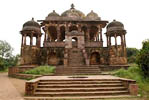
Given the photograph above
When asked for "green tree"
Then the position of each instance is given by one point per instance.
(6, 57)
(143, 58)
(131, 54)
(5, 49)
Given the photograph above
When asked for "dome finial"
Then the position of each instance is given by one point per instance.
(54, 11)
(32, 18)
(72, 6)
(114, 19)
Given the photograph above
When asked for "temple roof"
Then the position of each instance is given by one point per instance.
(73, 13)
(93, 16)
(115, 23)
(31, 25)
(115, 26)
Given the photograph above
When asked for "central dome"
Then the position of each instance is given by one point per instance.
(73, 13)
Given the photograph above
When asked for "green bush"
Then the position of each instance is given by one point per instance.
(134, 72)
(143, 58)
(131, 55)
(41, 70)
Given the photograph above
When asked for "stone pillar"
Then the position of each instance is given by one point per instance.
(31, 39)
(123, 45)
(115, 40)
(107, 40)
(79, 28)
(88, 34)
(124, 41)
(116, 44)
(38, 40)
(46, 31)
(24, 39)
(101, 34)
(66, 28)
(58, 33)
(97, 36)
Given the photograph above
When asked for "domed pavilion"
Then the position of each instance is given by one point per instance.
(73, 40)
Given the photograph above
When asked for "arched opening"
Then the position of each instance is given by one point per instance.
(73, 28)
(62, 30)
(74, 42)
(112, 41)
(52, 33)
(118, 40)
(28, 40)
(95, 58)
(93, 32)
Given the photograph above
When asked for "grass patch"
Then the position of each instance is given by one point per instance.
(134, 72)
(5, 70)
(41, 70)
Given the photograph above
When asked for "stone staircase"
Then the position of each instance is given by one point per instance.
(76, 65)
(77, 70)
(79, 88)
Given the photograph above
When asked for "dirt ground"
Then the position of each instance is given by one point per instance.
(11, 88)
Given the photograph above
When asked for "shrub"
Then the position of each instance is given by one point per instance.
(134, 72)
(41, 70)
(131, 54)
(143, 58)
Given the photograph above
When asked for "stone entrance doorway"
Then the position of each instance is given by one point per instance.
(95, 58)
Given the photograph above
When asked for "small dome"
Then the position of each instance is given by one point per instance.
(93, 16)
(52, 15)
(31, 25)
(73, 13)
(115, 25)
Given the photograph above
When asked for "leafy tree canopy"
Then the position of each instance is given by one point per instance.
(5, 49)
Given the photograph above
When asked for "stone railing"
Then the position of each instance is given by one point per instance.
(15, 71)
(94, 44)
(54, 44)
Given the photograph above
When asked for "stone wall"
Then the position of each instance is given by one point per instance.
(54, 44)
(29, 55)
(51, 56)
(93, 44)
(117, 55)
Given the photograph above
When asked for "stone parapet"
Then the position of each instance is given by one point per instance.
(94, 44)
(54, 44)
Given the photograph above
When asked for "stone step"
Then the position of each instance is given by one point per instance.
(64, 74)
(77, 78)
(128, 97)
(79, 85)
(77, 82)
(99, 93)
(82, 68)
(80, 89)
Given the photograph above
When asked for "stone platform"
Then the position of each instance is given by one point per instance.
(79, 87)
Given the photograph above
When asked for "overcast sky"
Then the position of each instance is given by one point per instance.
(134, 14)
